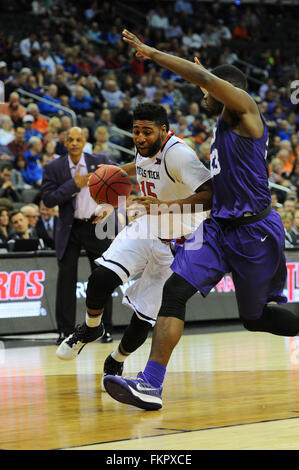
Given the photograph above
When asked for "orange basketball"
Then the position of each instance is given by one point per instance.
(108, 183)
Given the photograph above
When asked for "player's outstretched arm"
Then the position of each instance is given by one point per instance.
(232, 97)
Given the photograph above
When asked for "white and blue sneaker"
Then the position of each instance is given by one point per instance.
(136, 392)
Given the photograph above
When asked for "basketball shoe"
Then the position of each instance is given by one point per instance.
(111, 367)
(75, 342)
(136, 392)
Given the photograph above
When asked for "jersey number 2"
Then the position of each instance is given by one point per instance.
(146, 188)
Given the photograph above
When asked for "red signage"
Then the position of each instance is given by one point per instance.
(19, 285)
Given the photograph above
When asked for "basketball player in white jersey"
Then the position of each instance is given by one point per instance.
(168, 172)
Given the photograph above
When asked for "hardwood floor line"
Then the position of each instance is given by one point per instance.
(180, 431)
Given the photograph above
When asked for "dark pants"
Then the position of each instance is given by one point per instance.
(82, 237)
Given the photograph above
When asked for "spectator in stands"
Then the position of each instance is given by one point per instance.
(28, 121)
(275, 171)
(19, 223)
(62, 87)
(39, 8)
(274, 147)
(5, 229)
(193, 112)
(102, 144)
(33, 87)
(81, 103)
(17, 178)
(204, 153)
(111, 60)
(70, 66)
(240, 32)
(105, 120)
(287, 219)
(13, 108)
(94, 58)
(53, 127)
(181, 129)
(294, 176)
(40, 123)
(285, 156)
(95, 35)
(210, 37)
(113, 36)
(284, 132)
(48, 152)
(60, 148)
(158, 19)
(289, 205)
(16, 81)
(183, 6)
(65, 123)
(46, 225)
(83, 66)
(88, 145)
(28, 44)
(46, 61)
(124, 117)
(274, 201)
(174, 30)
(112, 95)
(33, 173)
(7, 134)
(294, 232)
(7, 189)
(48, 108)
(31, 211)
(18, 146)
(223, 32)
(192, 40)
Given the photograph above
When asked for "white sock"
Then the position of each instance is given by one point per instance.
(118, 356)
(93, 321)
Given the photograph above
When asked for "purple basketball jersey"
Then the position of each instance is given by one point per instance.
(240, 172)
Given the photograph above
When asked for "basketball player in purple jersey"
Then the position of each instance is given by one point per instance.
(243, 236)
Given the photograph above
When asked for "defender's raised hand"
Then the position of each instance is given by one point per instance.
(142, 49)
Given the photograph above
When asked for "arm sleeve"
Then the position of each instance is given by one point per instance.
(184, 166)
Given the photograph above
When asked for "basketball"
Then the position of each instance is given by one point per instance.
(108, 183)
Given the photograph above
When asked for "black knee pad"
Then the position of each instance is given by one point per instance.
(176, 292)
(101, 283)
(275, 320)
(135, 334)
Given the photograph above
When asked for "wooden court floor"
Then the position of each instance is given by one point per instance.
(228, 390)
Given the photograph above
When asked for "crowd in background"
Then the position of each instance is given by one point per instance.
(72, 55)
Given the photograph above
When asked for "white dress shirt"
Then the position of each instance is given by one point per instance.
(85, 205)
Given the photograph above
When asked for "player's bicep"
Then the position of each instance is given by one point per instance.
(232, 97)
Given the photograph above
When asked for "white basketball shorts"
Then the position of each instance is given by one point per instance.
(128, 256)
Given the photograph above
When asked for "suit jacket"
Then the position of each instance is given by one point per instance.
(43, 234)
(59, 188)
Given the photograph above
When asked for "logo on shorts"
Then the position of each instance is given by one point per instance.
(263, 239)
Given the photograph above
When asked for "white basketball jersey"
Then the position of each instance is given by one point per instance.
(174, 173)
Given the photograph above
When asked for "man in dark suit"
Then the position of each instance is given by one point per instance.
(46, 225)
(65, 183)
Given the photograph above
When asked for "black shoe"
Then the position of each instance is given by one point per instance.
(112, 367)
(106, 338)
(61, 337)
(75, 342)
